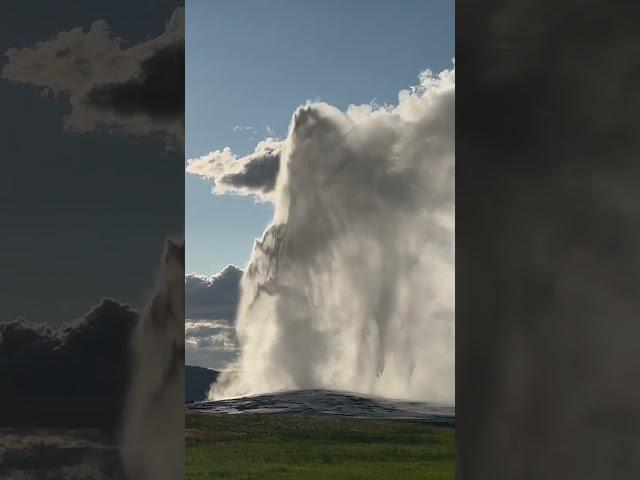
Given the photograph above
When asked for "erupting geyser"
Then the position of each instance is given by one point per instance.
(352, 286)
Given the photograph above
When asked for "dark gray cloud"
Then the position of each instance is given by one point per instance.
(137, 89)
(547, 212)
(213, 297)
(211, 304)
(72, 376)
(59, 454)
(259, 174)
(158, 90)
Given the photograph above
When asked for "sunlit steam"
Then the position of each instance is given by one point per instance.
(352, 286)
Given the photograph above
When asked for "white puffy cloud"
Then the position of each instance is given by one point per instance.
(254, 175)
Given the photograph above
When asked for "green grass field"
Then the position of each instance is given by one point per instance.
(264, 447)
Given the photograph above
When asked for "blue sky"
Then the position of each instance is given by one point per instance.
(250, 63)
(68, 228)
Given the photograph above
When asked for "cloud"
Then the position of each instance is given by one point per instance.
(46, 455)
(158, 90)
(254, 175)
(213, 297)
(240, 128)
(210, 344)
(73, 376)
(111, 87)
(211, 304)
(352, 286)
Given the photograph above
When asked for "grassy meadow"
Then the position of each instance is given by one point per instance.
(271, 446)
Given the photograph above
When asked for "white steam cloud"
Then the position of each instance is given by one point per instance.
(352, 286)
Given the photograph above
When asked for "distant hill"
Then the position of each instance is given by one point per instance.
(197, 381)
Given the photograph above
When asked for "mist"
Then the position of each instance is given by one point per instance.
(352, 285)
(152, 436)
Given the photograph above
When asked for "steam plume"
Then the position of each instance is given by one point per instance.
(352, 286)
(152, 443)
